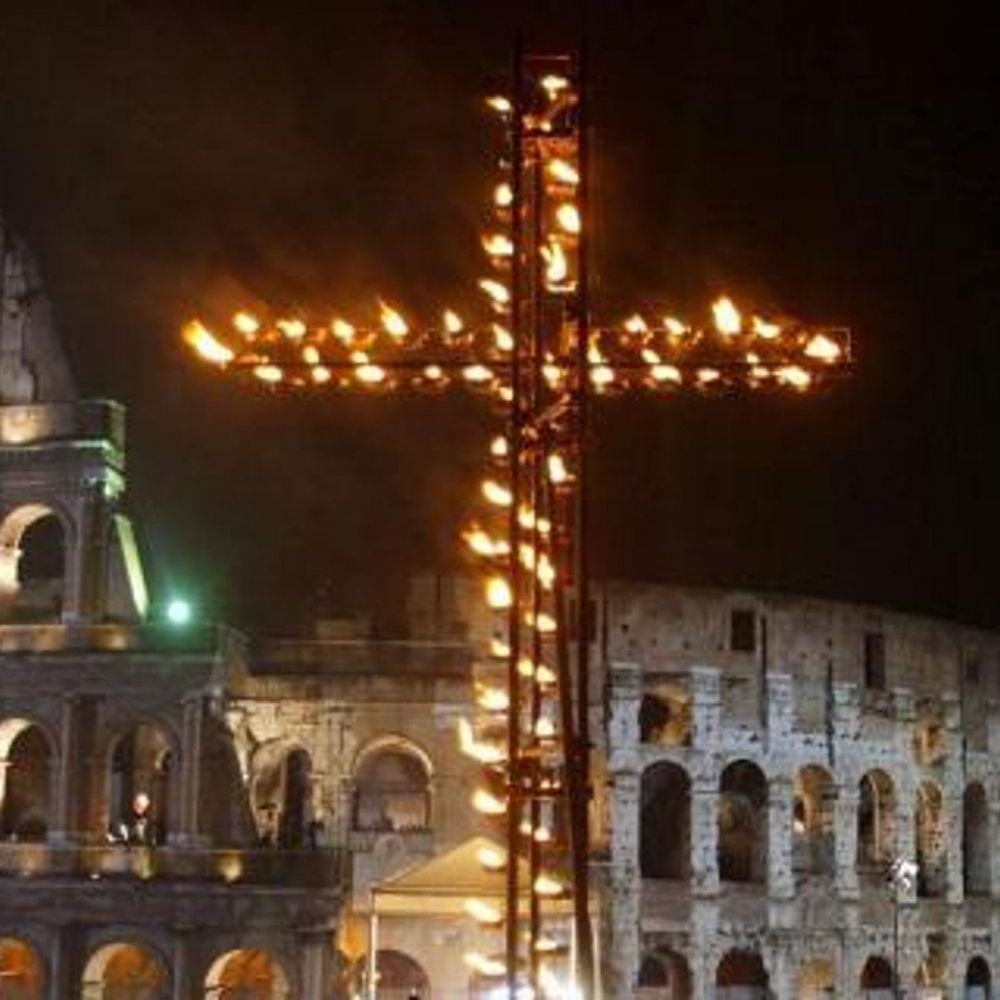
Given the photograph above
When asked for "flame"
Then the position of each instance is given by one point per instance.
(526, 667)
(493, 699)
(563, 172)
(246, 324)
(392, 322)
(320, 375)
(546, 572)
(602, 376)
(635, 324)
(487, 803)
(199, 337)
(726, 315)
(793, 375)
(293, 329)
(553, 85)
(544, 622)
(761, 327)
(500, 104)
(546, 885)
(452, 322)
(666, 373)
(491, 859)
(433, 373)
(496, 493)
(310, 355)
(823, 348)
(568, 218)
(498, 593)
(545, 728)
(675, 327)
(503, 338)
(558, 473)
(485, 753)
(268, 373)
(553, 374)
(649, 356)
(369, 374)
(344, 331)
(503, 195)
(706, 376)
(497, 291)
(499, 649)
(499, 448)
(545, 675)
(484, 965)
(498, 245)
(477, 374)
(482, 912)
(556, 264)
(481, 543)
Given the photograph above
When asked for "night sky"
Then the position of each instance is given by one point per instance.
(836, 160)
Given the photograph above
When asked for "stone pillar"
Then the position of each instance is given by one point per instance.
(622, 955)
(845, 840)
(188, 833)
(993, 840)
(181, 971)
(706, 709)
(705, 836)
(780, 882)
(702, 962)
(64, 969)
(316, 965)
(906, 836)
(953, 834)
(83, 601)
(66, 806)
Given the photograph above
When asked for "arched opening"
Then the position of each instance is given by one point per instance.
(140, 786)
(246, 974)
(812, 822)
(742, 846)
(876, 979)
(975, 841)
(282, 795)
(665, 717)
(876, 821)
(21, 975)
(816, 980)
(741, 976)
(32, 565)
(932, 973)
(666, 975)
(665, 826)
(978, 981)
(399, 977)
(932, 849)
(392, 791)
(25, 781)
(123, 971)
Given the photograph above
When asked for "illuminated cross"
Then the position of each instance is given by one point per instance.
(538, 356)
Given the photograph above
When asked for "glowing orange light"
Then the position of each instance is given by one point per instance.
(392, 321)
(199, 337)
(293, 329)
(343, 331)
(498, 245)
(563, 172)
(568, 218)
(310, 355)
(726, 316)
(487, 803)
(500, 104)
(822, 348)
(496, 493)
(268, 373)
(675, 327)
(635, 324)
(764, 329)
(497, 292)
(498, 593)
(477, 374)
(452, 322)
(503, 195)
(792, 375)
(247, 324)
(369, 374)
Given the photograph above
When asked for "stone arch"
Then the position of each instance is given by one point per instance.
(975, 841)
(246, 974)
(392, 787)
(812, 821)
(35, 546)
(877, 980)
(741, 975)
(817, 980)
(742, 820)
(22, 975)
(931, 842)
(281, 793)
(26, 776)
(978, 979)
(667, 974)
(665, 822)
(123, 970)
(143, 780)
(876, 820)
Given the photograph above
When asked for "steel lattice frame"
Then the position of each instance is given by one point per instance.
(540, 359)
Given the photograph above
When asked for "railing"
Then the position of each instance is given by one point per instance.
(316, 869)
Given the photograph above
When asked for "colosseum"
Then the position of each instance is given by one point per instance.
(194, 813)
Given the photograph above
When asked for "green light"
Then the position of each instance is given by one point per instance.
(179, 612)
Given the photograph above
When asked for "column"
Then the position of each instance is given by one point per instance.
(906, 846)
(188, 829)
(780, 883)
(316, 965)
(181, 970)
(953, 834)
(845, 840)
(993, 841)
(624, 887)
(63, 971)
(66, 812)
(704, 836)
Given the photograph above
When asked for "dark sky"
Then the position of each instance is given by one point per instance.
(835, 159)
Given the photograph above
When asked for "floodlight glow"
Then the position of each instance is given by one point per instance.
(179, 612)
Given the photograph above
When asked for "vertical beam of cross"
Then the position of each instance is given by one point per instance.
(538, 357)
